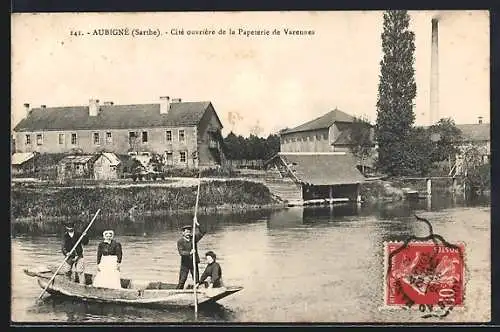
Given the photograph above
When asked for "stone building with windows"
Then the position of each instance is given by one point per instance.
(186, 134)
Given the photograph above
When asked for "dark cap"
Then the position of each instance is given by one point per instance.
(211, 254)
(69, 224)
(187, 227)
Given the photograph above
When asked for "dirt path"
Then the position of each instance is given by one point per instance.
(173, 182)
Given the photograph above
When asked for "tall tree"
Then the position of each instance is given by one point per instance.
(396, 91)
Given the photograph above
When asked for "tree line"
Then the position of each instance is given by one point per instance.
(237, 147)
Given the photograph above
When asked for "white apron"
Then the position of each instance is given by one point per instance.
(108, 276)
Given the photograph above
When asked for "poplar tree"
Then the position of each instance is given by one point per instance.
(396, 91)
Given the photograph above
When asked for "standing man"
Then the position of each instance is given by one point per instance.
(74, 262)
(186, 251)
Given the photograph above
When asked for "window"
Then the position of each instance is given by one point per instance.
(61, 138)
(28, 139)
(39, 139)
(181, 135)
(131, 137)
(109, 138)
(183, 157)
(74, 140)
(169, 135)
(96, 139)
(144, 137)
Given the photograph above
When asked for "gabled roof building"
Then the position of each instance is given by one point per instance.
(187, 134)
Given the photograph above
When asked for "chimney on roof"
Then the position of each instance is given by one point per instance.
(164, 104)
(93, 107)
(480, 119)
(176, 100)
(108, 103)
(26, 109)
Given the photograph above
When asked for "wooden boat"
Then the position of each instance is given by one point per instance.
(133, 292)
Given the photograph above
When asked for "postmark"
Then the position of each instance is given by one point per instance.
(425, 273)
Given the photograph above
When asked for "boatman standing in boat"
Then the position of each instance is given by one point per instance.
(185, 247)
(74, 262)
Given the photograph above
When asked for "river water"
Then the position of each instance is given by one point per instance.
(296, 265)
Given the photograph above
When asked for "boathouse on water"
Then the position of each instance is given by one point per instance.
(317, 177)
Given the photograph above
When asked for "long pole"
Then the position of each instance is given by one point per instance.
(73, 249)
(194, 245)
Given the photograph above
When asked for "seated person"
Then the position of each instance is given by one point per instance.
(212, 271)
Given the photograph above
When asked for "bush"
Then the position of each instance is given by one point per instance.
(480, 177)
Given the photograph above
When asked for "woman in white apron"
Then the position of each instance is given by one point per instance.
(109, 258)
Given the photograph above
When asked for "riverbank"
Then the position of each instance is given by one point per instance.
(33, 203)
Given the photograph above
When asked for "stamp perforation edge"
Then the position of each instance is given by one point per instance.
(465, 278)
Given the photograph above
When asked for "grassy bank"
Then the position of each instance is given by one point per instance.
(38, 203)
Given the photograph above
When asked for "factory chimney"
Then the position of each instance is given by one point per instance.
(434, 93)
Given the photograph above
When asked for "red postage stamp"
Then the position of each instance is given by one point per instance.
(424, 274)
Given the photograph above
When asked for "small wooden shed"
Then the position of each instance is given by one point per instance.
(75, 166)
(107, 167)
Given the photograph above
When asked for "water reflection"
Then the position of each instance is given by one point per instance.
(78, 311)
(291, 262)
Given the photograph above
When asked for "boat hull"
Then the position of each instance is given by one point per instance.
(143, 293)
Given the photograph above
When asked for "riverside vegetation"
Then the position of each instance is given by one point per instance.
(50, 202)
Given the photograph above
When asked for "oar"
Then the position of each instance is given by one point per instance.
(73, 249)
(194, 246)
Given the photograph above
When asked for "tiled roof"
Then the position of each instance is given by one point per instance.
(323, 122)
(20, 158)
(80, 159)
(324, 168)
(476, 132)
(114, 160)
(113, 117)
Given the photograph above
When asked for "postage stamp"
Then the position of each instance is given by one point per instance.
(424, 275)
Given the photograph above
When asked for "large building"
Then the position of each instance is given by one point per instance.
(187, 134)
(478, 135)
(315, 163)
(328, 133)
(474, 137)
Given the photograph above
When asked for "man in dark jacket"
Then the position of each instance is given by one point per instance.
(186, 251)
(74, 261)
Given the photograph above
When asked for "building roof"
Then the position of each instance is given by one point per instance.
(80, 159)
(113, 117)
(113, 158)
(20, 158)
(476, 132)
(323, 122)
(324, 168)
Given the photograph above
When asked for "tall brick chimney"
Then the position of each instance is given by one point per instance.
(164, 104)
(434, 92)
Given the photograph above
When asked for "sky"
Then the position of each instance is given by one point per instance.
(257, 84)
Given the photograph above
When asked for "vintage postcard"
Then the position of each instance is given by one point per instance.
(228, 167)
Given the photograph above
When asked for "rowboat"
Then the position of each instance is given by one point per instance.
(133, 292)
